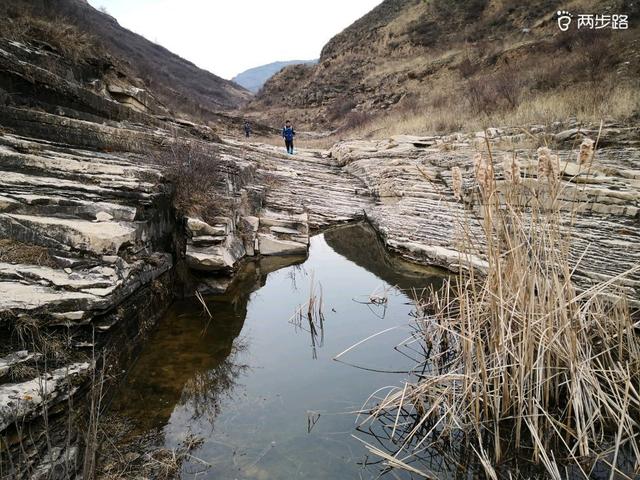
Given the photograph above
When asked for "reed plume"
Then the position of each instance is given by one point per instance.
(587, 149)
(456, 182)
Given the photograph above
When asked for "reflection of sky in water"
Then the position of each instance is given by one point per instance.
(260, 425)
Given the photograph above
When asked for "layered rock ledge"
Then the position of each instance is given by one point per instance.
(403, 187)
(85, 262)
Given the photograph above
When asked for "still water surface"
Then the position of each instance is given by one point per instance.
(249, 380)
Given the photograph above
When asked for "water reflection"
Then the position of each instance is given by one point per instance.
(269, 401)
(360, 244)
(191, 359)
(309, 317)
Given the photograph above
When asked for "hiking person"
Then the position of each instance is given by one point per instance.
(288, 133)
(247, 129)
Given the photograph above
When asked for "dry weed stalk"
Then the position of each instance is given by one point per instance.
(521, 356)
(511, 169)
(548, 165)
(313, 317)
(587, 149)
(456, 176)
(484, 172)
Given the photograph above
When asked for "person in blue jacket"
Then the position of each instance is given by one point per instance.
(288, 133)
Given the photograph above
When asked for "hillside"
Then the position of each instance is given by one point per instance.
(107, 48)
(415, 66)
(254, 78)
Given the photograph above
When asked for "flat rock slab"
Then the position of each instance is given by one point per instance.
(19, 296)
(269, 245)
(23, 401)
(98, 238)
(99, 277)
(215, 258)
(284, 231)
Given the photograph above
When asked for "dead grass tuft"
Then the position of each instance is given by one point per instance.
(515, 354)
(12, 251)
(56, 35)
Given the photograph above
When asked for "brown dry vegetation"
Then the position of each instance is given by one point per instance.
(516, 356)
(56, 35)
(198, 174)
(16, 252)
(420, 67)
(129, 455)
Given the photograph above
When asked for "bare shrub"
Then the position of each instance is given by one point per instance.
(507, 86)
(425, 32)
(587, 54)
(341, 107)
(410, 104)
(480, 96)
(354, 120)
(594, 54)
(490, 93)
(198, 174)
(550, 74)
(468, 67)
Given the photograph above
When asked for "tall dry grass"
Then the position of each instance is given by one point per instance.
(19, 23)
(517, 357)
(450, 113)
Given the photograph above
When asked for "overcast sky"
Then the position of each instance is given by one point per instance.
(227, 37)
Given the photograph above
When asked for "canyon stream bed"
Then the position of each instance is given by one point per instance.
(260, 389)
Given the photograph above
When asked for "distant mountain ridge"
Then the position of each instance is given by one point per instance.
(254, 78)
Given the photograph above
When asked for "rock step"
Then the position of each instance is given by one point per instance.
(95, 237)
(64, 206)
(24, 401)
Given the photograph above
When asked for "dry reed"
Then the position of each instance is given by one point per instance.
(585, 155)
(519, 357)
(456, 183)
(312, 315)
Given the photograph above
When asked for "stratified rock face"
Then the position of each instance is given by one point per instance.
(217, 248)
(418, 216)
(280, 233)
(122, 65)
(24, 400)
(292, 195)
(403, 186)
(85, 241)
(297, 187)
(213, 248)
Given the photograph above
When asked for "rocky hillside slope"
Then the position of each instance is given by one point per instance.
(89, 233)
(106, 51)
(438, 65)
(254, 78)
